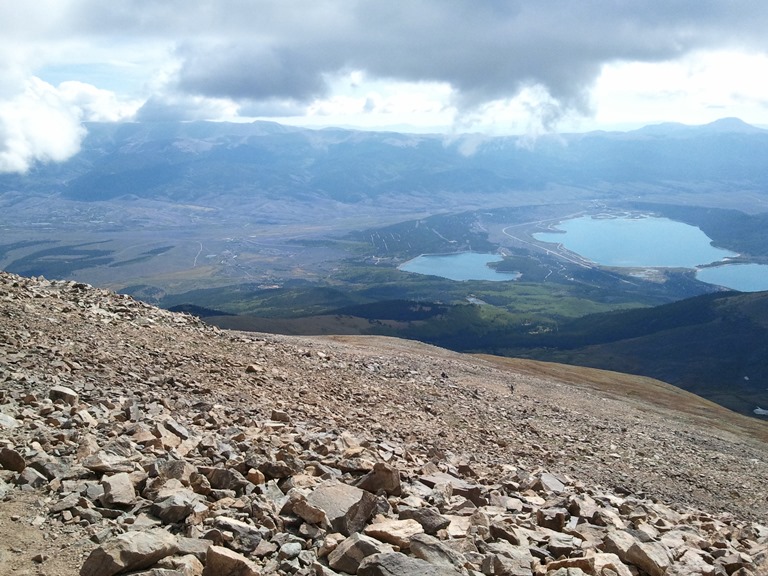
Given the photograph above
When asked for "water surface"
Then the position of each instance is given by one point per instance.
(636, 242)
(742, 277)
(461, 266)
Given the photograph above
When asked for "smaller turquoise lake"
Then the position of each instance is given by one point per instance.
(461, 266)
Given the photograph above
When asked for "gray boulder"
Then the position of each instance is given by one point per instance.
(347, 508)
(129, 551)
(396, 564)
(349, 553)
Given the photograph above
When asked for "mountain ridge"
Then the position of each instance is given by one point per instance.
(200, 160)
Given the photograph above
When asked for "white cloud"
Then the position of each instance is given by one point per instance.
(95, 104)
(38, 125)
(43, 123)
(368, 102)
(696, 89)
(183, 107)
(496, 67)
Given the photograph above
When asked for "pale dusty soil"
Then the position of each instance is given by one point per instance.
(24, 545)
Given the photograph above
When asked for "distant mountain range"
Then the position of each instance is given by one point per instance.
(203, 161)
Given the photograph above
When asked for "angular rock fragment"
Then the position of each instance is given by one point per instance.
(395, 532)
(118, 490)
(349, 553)
(347, 508)
(504, 558)
(549, 483)
(691, 563)
(429, 518)
(7, 421)
(307, 512)
(245, 537)
(226, 479)
(117, 456)
(221, 561)
(552, 518)
(66, 395)
(176, 506)
(506, 532)
(568, 572)
(11, 460)
(175, 469)
(596, 564)
(193, 547)
(69, 501)
(280, 416)
(84, 418)
(459, 526)
(733, 562)
(563, 544)
(289, 551)
(264, 548)
(176, 428)
(32, 478)
(471, 492)
(129, 551)
(329, 544)
(435, 552)
(51, 467)
(651, 557)
(383, 477)
(185, 564)
(396, 564)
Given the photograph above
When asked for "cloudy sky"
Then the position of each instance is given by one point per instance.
(494, 66)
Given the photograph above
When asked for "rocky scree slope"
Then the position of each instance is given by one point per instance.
(138, 441)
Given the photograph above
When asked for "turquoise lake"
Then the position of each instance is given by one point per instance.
(742, 277)
(642, 242)
(647, 242)
(636, 242)
(462, 266)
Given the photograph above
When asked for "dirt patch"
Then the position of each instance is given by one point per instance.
(31, 545)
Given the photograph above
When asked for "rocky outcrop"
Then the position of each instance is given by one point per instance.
(239, 468)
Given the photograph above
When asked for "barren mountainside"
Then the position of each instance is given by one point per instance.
(138, 441)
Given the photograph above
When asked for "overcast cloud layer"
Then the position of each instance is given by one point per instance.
(73, 60)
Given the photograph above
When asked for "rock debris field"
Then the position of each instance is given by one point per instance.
(138, 441)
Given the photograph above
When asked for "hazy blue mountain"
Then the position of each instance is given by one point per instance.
(196, 160)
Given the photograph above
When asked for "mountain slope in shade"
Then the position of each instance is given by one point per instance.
(714, 345)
